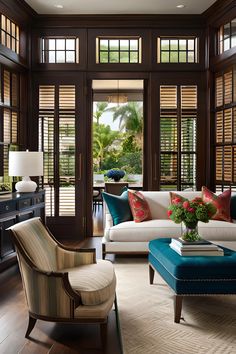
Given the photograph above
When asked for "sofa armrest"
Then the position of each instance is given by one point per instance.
(108, 223)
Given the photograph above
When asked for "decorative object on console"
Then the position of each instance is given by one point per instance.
(115, 174)
(189, 213)
(118, 206)
(233, 207)
(139, 206)
(221, 203)
(25, 164)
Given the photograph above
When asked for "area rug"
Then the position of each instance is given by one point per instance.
(147, 316)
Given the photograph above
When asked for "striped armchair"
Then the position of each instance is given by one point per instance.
(62, 284)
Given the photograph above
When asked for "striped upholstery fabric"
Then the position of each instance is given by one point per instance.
(95, 283)
(69, 259)
(45, 295)
(97, 311)
(37, 243)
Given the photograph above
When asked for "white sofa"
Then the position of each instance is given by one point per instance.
(130, 237)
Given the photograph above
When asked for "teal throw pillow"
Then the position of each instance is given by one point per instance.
(118, 206)
(233, 207)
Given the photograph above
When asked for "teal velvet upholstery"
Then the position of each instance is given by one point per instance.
(233, 207)
(194, 275)
(118, 207)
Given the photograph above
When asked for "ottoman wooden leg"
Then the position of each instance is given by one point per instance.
(178, 307)
(151, 274)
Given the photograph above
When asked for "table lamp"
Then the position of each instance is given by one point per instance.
(25, 164)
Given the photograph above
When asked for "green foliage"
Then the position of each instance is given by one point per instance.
(190, 212)
(122, 149)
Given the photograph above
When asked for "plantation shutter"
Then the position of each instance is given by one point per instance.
(46, 142)
(169, 137)
(178, 108)
(10, 113)
(219, 91)
(67, 150)
(59, 118)
(225, 132)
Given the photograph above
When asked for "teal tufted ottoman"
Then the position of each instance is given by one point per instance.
(198, 275)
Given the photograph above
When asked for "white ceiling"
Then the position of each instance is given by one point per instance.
(119, 6)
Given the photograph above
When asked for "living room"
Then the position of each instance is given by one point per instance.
(72, 72)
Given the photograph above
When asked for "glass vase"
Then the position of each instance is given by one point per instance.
(189, 232)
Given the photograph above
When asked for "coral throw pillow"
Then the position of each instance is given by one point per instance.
(139, 206)
(221, 202)
(176, 198)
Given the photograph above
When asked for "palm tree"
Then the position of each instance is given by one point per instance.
(130, 116)
(100, 109)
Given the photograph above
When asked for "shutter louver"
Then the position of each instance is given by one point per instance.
(219, 127)
(188, 97)
(14, 127)
(219, 169)
(228, 87)
(228, 163)
(7, 126)
(228, 126)
(168, 97)
(6, 83)
(219, 91)
(14, 90)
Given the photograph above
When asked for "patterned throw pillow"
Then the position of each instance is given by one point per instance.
(139, 206)
(176, 198)
(221, 202)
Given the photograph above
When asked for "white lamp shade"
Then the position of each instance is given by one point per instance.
(25, 163)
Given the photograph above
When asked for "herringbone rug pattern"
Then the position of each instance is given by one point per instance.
(146, 316)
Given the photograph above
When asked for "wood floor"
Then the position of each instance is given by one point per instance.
(47, 337)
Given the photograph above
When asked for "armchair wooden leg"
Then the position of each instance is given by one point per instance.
(31, 325)
(178, 299)
(151, 274)
(103, 335)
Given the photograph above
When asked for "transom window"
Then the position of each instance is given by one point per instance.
(177, 50)
(10, 36)
(227, 36)
(118, 50)
(60, 50)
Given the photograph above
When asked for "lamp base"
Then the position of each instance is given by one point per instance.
(26, 185)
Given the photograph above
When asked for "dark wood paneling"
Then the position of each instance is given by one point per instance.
(120, 21)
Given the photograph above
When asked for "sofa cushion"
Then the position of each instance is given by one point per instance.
(95, 283)
(151, 229)
(118, 206)
(221, 203)
(144, 231)
(139, 206)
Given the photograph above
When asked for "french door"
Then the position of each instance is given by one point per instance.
(62, 138)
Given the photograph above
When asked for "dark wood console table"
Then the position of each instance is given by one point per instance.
(16, 207)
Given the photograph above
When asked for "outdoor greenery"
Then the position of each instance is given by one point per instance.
(121, 148)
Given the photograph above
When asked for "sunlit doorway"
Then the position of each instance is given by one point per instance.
(117, 138)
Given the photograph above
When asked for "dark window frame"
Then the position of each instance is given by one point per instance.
(13, 38)
(45, 51)
(195, 49)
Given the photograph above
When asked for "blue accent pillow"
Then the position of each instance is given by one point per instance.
(233, 207)
(118, 206)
